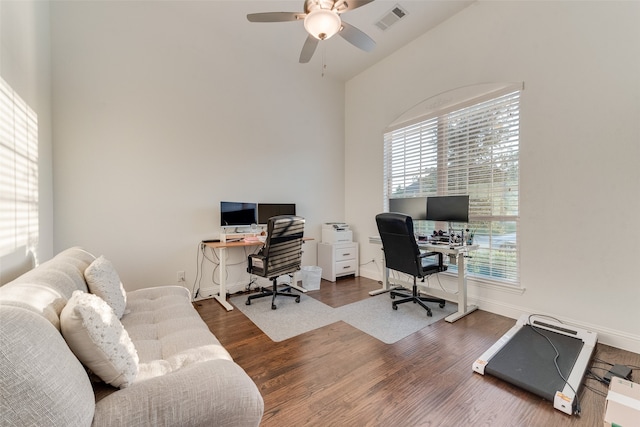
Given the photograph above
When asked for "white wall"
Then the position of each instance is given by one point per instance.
(580, 133)
(157, 121)
(25, 65)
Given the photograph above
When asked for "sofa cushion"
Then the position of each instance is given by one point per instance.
(168, 332)
(98, 339)
(181, 365)
(103, 280)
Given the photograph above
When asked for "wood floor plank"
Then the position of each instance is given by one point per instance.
(338, 375)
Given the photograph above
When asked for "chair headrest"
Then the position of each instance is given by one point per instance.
(394, 223)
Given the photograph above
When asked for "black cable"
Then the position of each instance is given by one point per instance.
(595, 359)
(598, 392)
(594, 376)
(610, 365)
(194, 291)
(555, 359)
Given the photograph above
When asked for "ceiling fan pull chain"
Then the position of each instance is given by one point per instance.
(324, 62)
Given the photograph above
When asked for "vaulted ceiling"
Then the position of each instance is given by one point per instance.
(335, 56)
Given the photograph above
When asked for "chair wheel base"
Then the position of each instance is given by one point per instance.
(273, 293)
(441, 305)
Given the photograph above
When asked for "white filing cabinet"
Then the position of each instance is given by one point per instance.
(338, 259)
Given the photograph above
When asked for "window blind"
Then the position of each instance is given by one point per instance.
(18, 172)
(471, 150)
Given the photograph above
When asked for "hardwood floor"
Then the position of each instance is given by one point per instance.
(340, 376)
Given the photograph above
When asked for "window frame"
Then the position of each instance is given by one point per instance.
(497, 261)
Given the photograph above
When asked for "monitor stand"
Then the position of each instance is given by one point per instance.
(526, 357)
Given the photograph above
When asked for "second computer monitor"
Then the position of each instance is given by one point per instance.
(267, 210)
(448, 208)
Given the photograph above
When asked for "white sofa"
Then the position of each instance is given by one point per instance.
(185, 376)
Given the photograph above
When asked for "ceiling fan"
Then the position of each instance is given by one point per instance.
(322, 20)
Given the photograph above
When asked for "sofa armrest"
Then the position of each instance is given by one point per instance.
(216, 392)
(42, 383)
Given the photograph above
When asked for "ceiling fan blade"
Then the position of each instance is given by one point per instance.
(357, 37)
(308, 49)
(275, 16)
(347, 5)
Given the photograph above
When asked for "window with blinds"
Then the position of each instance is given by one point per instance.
(472, 149)
(18, 173)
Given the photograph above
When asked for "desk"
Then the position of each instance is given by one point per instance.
(459, 252)
(222, 247)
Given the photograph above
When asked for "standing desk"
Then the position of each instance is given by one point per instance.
(222, 247)
(459, 252)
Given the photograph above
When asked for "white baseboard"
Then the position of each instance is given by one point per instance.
(606, 336)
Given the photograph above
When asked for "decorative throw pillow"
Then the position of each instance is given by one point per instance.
(98, 339)
(103, 281)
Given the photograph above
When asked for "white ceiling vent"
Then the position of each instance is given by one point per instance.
(391, 17)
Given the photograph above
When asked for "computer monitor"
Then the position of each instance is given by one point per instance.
(237, 214)
(448, 208)
(267, 210)
(415, 207)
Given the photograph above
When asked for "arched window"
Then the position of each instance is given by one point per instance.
(457, 144)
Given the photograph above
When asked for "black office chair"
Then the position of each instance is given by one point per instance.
(401, 253)
(281, 254)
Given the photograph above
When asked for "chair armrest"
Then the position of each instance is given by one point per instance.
(428, 254)
(435, 267)
(256, 264)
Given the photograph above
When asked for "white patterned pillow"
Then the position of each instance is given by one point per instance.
(103, 280)
(98, 339)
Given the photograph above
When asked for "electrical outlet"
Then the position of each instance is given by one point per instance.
(180, 276)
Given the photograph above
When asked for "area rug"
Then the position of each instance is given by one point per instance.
(289, 319)
(373, 315)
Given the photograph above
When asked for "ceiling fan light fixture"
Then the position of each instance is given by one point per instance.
(322, 23)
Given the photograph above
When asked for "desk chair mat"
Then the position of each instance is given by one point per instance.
(527, 361)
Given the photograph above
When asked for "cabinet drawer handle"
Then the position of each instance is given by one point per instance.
(346, 267)
(346, 254)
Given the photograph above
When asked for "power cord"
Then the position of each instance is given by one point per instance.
(612, 370)
(609, 370)
(578, 409)
(195, 291)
